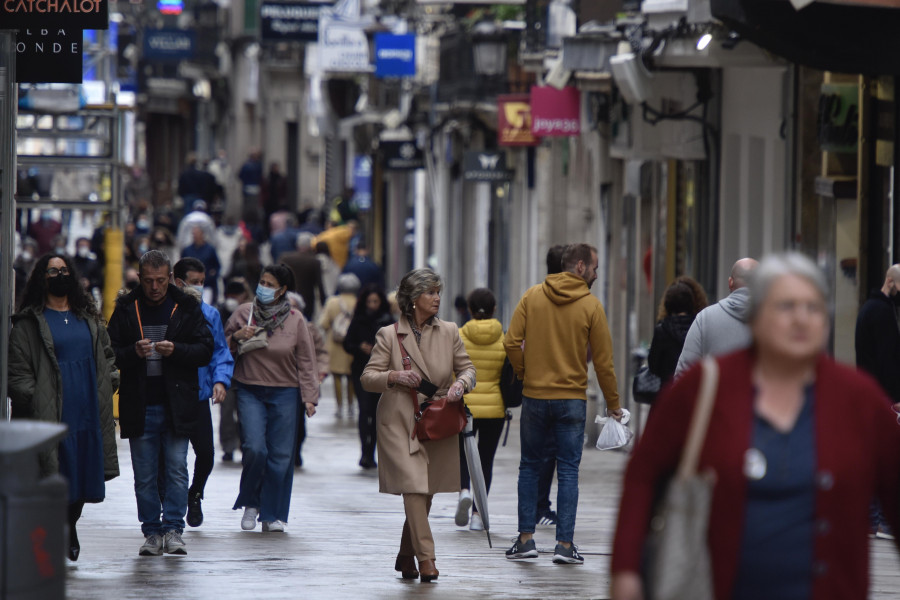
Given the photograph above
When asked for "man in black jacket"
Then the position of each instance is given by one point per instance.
(160, 339)
(878, 354)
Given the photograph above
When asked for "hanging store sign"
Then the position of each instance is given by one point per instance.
(362, 183)
(71, 14)
(290, 21)
(343, 46)
(514, 121)
(169, 45)
(395, 55)
(485, 166)
(555, 112)
(402, 155)
(49, 55)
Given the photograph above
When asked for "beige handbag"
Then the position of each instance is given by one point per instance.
(679, 565)
(258, 340)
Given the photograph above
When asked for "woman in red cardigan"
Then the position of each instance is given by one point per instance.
(799, 445)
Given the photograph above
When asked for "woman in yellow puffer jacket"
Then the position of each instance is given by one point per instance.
(483, 338)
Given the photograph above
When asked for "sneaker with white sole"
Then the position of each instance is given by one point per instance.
(173, 544)
(462, 508)
(248, 521)
(548, 518)
(522, 549)
(273, 526)
(476, 524)
(567, 556)
(153, 546)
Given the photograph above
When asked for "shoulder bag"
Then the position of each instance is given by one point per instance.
(435, 419)
(258, 340)
(679, 566)
(645, 386)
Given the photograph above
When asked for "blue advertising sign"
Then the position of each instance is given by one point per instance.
(362, 182)
(395, 55)
(162, 45)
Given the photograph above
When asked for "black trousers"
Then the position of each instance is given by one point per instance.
(204, 449)
(368, 406)
(488, 432)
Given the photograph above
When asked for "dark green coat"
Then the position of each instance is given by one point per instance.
(35, 382)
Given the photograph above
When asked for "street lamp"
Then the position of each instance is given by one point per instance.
(489, 46)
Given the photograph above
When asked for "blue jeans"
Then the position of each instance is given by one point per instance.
(160, 442)
(268, 438)
(563, 421)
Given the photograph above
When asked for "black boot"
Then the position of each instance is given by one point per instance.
(74, 514)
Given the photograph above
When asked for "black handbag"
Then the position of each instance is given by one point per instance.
(645, 386)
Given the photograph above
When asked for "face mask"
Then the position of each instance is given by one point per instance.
(59, 250)
(143, 224)
(61, 285)
(265, 295)
(198, 289)
(228, 229)
(231, 304)
(27, 256)
(84, 252)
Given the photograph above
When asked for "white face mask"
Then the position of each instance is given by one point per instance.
(231, 304)
(84, 252)
(27, 255)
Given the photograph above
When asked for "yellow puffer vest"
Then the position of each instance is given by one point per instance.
(484, 343)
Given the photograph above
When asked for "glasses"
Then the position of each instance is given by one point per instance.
(53, 271)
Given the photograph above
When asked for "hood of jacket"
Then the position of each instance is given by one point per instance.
(565, 288)
(483, 332)
(737, 304)
(677, 326)
(180, 297)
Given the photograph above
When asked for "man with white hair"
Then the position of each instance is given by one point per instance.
(722, 327)
(307, 272)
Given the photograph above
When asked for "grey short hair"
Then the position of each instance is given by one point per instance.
(414, 284)
(775, 266)
(154, 259)
(304, 240)
(347, 283)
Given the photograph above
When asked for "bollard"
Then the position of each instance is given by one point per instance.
(32, 514)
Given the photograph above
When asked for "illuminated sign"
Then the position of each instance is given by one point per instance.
(69, 14)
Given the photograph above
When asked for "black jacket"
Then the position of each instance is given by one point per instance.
(193, 349)
(668, 340)
(363, 329)
(878, 342)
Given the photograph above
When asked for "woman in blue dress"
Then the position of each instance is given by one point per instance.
(62, 370)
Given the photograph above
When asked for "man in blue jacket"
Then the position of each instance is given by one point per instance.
(214, 379)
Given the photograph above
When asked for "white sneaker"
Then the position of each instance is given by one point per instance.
(476, 524)
(248, 521)
(462, 508)
(273, 526)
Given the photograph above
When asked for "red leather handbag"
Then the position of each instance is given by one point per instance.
(435, 419)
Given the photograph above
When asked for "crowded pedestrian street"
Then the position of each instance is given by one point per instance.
(341, 539)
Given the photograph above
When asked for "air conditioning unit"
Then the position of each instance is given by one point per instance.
(631, 77)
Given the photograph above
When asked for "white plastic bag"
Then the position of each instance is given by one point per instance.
(614, 433)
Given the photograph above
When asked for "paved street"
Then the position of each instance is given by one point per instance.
(343, 536)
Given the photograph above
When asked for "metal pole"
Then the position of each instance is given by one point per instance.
(8, 107)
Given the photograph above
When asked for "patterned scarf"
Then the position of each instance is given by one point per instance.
(271, 316)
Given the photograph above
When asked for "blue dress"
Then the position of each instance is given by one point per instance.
(81, 452)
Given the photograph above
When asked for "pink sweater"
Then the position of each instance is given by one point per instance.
(288, 361)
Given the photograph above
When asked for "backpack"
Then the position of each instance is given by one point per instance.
(341, 324)
(510, 386)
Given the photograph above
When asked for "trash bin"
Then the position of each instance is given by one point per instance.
(32, 514)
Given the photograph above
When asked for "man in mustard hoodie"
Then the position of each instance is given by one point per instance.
(561, 320)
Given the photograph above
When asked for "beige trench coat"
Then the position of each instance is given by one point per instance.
(339, 361)
(405, 465)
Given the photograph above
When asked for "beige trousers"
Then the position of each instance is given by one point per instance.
(417, 539)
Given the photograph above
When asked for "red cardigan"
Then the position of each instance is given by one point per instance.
(857, 453)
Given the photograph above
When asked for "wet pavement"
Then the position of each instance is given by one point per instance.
(342, 536)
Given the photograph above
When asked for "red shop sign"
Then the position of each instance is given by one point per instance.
(514, 121)
(555, 112)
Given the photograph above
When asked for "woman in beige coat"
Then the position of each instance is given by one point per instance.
(415, 469)
(339, 361)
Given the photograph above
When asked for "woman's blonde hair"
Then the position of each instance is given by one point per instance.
(414, 284)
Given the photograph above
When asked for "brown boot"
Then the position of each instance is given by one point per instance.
(427, 570)
(407, 567)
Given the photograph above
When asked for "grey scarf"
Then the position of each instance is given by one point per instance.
(271, 316)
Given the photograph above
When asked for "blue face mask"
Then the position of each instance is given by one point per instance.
(265, 295)
(199, 289)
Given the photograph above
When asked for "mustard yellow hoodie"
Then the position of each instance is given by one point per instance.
(555, 322)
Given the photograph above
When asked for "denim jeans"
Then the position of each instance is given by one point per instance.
(268, 438)
(563, 421)
(159, 442)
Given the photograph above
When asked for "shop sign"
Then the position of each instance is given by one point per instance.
(362, 182)
(290, 21)
(395, 55)
(839, 117)
(555, 112)
(71, 14)
(514, 121)
(169, 45)
(49, 55)
(343, 46)
(402, 155)
(485, 166)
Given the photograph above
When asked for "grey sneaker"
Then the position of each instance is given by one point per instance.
(174, 544)
(522, 549)
(153, 546)
(273, 526)
(248, 521)
(567, 556)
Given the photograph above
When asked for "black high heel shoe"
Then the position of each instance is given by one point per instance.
(74, 546)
